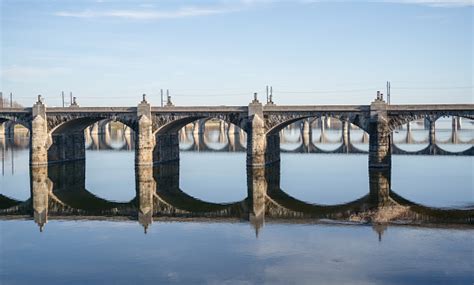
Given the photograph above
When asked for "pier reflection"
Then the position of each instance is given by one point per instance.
(59, 192)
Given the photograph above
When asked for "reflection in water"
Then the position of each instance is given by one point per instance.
(59, 191)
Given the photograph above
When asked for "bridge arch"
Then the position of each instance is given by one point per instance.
(67, 135)
(167, 134)
(332, 137)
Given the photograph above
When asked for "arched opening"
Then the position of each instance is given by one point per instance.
(454, 134)
(212, 134)
(412, 136)
(108, 146)
(320, 178)
(14, 156)
(211, 157)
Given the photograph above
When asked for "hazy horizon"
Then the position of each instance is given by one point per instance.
(108, 53)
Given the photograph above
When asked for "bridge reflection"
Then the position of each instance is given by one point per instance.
(59, 192)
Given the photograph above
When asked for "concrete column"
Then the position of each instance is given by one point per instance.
(197, 139)
(183, 137)
(322, 138)
(345, 136)
(146, 186)
(199, 126)
(454, 133)
(145, 141)
(307, 134)
(95, 128)
(257, 189)
(39, 135)
(409, 137)
(41, 186)
(256, 141)
(432, 132)
(379, 136)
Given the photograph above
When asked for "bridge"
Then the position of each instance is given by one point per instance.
(57, 134)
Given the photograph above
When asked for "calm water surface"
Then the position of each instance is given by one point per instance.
(229, 251)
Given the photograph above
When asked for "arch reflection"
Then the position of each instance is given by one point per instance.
(58, 192)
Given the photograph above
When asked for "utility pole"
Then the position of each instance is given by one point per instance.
(388, 92)
(62, 95)
(11, 100)
(267, 94)
(70, 98)
(1, 99)
(161, 91)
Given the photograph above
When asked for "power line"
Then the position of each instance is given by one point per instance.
(434, 88)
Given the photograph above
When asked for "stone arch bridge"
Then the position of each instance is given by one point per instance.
(57, 134)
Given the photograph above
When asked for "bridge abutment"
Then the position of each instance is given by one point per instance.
(379, 136)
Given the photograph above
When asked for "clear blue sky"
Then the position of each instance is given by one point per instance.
(220, 52)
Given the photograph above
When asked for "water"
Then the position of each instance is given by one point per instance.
(107, 244)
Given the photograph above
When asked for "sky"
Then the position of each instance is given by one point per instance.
(219, 52)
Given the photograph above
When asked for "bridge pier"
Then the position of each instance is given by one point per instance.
(39, 139)
(256, 139)
(146, 186)
(145, 140)
(307, 135)
(167, 148)
(379, 187)
(346, 136)
(409, 136)
(41, 186)
(454, 133)
(67, 147)
(380, 155)
(257, 189)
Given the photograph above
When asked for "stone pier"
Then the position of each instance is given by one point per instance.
(39, 139)
(41, 187)
(256, 140)
(145, 187)
(167, 148)
(380, 155)
(346, 137)
(67, 146)
(257, 192)
(379, 185)
(145, 141)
